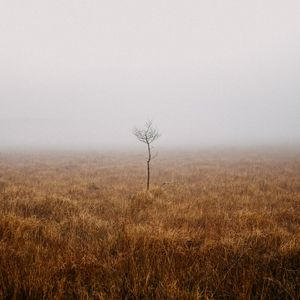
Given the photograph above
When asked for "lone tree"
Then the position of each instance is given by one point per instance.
(147, 135)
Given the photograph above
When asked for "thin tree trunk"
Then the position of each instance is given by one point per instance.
(148, 166)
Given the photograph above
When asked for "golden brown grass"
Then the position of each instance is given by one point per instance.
(80, 226)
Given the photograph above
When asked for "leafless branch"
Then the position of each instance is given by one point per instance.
(147, 135)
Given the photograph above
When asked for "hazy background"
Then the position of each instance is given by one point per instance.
(83, 73)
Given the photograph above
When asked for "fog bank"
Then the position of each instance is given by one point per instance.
(84, 73)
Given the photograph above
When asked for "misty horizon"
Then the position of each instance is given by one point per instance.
(85, 134)
(83, 74)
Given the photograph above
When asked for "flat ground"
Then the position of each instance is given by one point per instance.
(215, 225)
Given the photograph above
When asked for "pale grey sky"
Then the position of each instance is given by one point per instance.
(207, 72)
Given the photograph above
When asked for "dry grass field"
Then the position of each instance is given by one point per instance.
(215, 225)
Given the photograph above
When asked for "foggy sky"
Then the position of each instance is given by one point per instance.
(206, 72)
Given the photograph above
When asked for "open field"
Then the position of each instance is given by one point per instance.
(215, 225)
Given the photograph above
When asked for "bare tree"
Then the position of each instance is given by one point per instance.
(147, 135)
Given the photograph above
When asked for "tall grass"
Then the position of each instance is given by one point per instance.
(213, 226)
